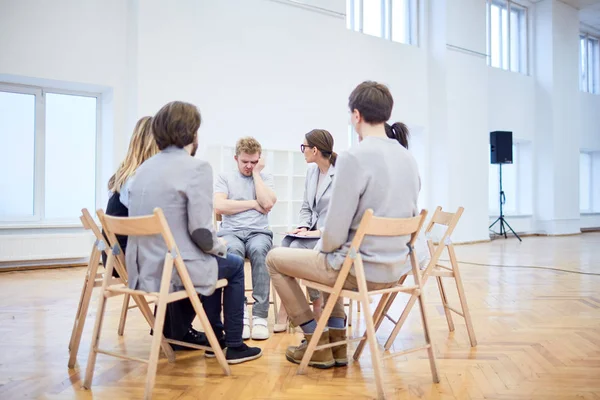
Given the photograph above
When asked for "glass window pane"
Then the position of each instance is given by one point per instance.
(518, 38)
(400, 21)
(585, 174)
(70, 155)
(495, 33)
(594, 65)
(372, 17)
(504, 37)
(582, 64)
(17, 161)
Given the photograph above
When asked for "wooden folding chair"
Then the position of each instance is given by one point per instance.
(93, 278)
(217, 218)
(155, 224)
(373, 226)
(448, 220)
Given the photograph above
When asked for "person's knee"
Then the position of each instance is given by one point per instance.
(259, 251)
(271, 260)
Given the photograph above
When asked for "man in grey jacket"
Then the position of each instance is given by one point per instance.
(181, 186)
(380, 174)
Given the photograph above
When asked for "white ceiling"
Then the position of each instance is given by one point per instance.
(589, 11)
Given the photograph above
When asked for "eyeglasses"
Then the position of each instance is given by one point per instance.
(304, 146)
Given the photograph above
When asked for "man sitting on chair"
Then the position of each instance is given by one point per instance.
(182, 186)
(379, 174)
(244, 199)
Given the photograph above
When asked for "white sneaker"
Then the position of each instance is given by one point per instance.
(246, 330)
(260, 328)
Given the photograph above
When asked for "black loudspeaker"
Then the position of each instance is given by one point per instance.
(501, 147)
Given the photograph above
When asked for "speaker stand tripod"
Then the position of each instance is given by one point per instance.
(501, 220)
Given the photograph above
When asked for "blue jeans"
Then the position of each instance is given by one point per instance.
(232, 269)
(255, 245)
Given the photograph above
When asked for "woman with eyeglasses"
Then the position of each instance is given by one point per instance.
(318, 152)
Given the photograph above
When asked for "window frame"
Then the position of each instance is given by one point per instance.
(588, 85)
(525, 61)
(589, 210)
(412, 28)
(39, 175)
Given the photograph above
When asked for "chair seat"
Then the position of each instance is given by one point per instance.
(352, 294)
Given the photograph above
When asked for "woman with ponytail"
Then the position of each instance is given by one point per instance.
(318, 152)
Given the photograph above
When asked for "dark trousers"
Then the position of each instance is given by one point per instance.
(181, 314)
(232, 295)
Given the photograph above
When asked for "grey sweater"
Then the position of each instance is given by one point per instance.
(382, 175)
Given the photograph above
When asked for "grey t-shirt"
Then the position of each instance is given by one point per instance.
(239, 187)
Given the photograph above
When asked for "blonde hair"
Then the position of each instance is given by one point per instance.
(142, 146)
(247, 145)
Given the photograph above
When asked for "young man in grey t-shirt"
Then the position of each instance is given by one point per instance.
(244, 199)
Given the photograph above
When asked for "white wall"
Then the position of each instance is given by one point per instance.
(275, 71)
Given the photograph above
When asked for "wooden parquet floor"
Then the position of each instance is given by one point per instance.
(538, 332)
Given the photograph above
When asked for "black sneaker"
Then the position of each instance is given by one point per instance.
(194, 337)
(243, 353)
(211, 354)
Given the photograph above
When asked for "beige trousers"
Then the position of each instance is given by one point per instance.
(287, 264)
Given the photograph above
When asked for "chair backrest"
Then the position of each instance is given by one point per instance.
(148, 225)
(380, 226)
(446, 219)
(89, 224)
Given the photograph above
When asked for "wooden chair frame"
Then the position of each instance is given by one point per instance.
(154, 224)
(93, 278)
(373, 226)
(449, 220)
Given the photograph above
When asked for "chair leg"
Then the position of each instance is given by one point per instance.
(396, 330)
(462, 297)
(445, 303)
(124, 311)
(430, 351)
(159, 322)
(275, 305)
(144, 308)
(372, 339)
(378, 318)
(83, 307)
(81, 298)
(89, 373)
(350, 302)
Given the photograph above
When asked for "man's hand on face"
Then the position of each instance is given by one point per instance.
(259, 166)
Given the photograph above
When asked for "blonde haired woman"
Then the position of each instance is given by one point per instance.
(141, 147)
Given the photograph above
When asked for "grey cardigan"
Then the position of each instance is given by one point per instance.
(316, 198)
(183, 187)
(382, 175)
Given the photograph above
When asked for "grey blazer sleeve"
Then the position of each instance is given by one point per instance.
(305, 210)
(200, 211)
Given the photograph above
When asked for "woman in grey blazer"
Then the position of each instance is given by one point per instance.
(318, 152)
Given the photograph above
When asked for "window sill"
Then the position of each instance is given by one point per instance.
(39, 225)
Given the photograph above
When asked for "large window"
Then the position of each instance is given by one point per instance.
(48, 153)
(394, 20)
(589, 64)
(516, 183)
(507, 36)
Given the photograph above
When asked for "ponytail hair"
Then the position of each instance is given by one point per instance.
(333, 157)
(398, 131)
(323, 141)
